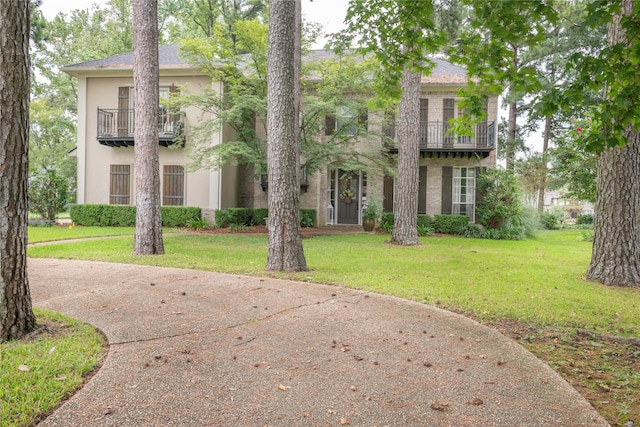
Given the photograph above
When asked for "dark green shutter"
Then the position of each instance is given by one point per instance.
(447, 189)
(422, 191)
(329, 124)
(387, 188)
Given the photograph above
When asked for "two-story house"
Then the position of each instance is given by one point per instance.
(106, 123)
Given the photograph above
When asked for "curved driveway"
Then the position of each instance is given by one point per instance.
(193, 348)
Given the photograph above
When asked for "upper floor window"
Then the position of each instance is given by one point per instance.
(347, 120)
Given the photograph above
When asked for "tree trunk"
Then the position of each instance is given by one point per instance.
(285, 236)
(616, 241)
(297, 91)
(16, 314)
(543, 174)
(405, 208)
(510, 154)
(148, 237)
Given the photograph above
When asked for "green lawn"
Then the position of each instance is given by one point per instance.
(534, 281)
(533, 291)
(65, 232)
(36, 374)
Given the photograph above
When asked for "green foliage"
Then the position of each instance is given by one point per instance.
(179, 216)
(398, 34)
(373, 209)
(125, 215)
(48, 194)
(499, 198)
(386, 222)
(425, 223)
(239, 216)
(550, 221)
(308, 217)
(59, 360)
(507, 232)
(260, 215)
(584, 219)
(238, 228)
(450, 224)
(587, 235)
(249, 217)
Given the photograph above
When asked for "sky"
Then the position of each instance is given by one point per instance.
(328, 13)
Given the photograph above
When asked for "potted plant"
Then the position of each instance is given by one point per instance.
(371, 214)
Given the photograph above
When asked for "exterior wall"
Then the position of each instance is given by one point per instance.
(203, 188)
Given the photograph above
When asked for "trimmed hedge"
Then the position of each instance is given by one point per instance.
(125, 215)
(425, 223)
(450, 224)
(248, 217)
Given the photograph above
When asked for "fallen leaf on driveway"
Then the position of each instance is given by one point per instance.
(439, 406)
(475, 401)
(283, 387)
(344, 421)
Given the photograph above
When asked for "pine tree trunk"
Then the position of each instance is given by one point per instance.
(148, 237)
(510, 154)
(16, 314)
(405, 208)
(285, 236)
(616, 241)
(543, 176)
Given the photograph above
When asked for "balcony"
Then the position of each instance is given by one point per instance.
(435, 141)
(116, 127)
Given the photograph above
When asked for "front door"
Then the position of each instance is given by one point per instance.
(348, 197)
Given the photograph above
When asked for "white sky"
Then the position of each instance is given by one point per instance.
(328, 13)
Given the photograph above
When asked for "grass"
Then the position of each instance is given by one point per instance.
(65, 232)
(58, 358)
(532, 290)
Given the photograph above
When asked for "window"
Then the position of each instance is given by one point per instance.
(173, 185)
(346, 120)
(120, 185)
(464, 190)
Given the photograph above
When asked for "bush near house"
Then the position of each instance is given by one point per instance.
(125, 215)
(584, 219)
(249, 217)
(450, 224)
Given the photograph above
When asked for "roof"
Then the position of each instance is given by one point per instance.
(443, 73)
(167, 55)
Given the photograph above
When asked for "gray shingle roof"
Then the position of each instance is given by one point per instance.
(444, 72)
(168, 56)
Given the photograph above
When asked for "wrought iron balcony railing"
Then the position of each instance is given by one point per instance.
(116, 127)
(435, 136)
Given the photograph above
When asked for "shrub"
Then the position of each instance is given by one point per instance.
(197, 224)
(238, 228)
(499, 198)
(424, 221)
(450, 224)
(549, 221)
(584, 219)
(308, 217)
(386, 222)
(48, 194)
(587, 235)
(226, 217)
(179, 216)
(259, 216)
(248, 217)
(125, 215)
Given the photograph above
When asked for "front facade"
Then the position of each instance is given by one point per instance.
(448, 164)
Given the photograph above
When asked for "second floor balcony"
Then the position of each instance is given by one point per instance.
(436, 139)
(116, 127)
